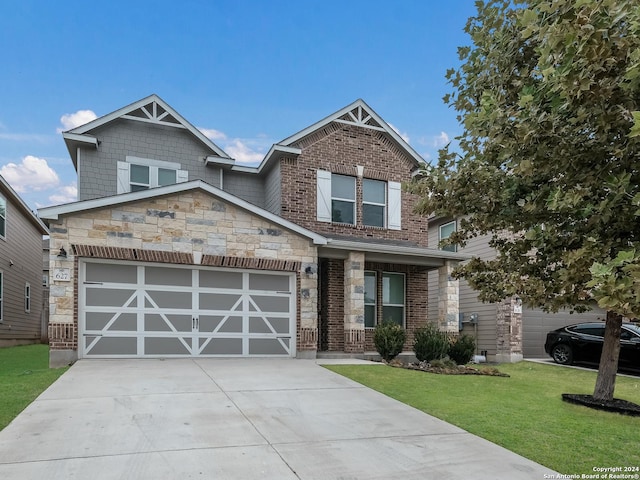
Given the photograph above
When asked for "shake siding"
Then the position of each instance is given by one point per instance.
(23, 246)
(247, 186)
(273, 190)
(98, 167)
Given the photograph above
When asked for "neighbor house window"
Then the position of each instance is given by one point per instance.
(393, 298)
(374, 202)
(45, 279)
(343, 199)
(370, 294)
(138, 174)
(446, 231)
(27, 297)
(3, 217)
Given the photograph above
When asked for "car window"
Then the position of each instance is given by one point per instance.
(627, 334)
(595, 330)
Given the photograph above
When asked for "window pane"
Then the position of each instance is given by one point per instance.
(446, 230)
(393, 289)
(137, 188)
(139, 174)
(166, 176)
(369, 287)
(395, 314)
(370, 316)
(374, 191)
(343, 187)
(2, 227)
(373, 215)
(342, 211)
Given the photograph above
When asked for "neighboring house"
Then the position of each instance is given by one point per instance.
(502, 335)
(174, 249)
(20, 270)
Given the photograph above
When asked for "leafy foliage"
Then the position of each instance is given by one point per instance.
(388, 338)
(461, 349)
(430, 343)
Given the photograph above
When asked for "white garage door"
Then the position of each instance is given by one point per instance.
(155, 310)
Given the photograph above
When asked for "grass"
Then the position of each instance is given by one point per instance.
(524, 413)
(24, 374)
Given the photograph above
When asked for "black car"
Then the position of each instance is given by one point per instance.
(583, 343)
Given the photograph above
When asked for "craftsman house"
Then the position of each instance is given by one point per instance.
(21, 232)
(174, 249)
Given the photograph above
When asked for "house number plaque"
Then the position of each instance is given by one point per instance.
(61, 274)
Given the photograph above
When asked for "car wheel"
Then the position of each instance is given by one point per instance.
(562, 354)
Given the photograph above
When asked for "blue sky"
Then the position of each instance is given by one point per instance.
(248, 73)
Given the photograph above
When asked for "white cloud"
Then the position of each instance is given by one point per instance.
(65, 194)
(404, 136)
(32, 174)
(240, 151)
(73, 120)
(441, 140)
(213, 134)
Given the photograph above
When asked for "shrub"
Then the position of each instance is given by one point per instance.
(430, 343)
(462, 348)
(444, 363)
(388, 337)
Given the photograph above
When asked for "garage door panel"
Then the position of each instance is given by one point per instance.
(159, 310)
(220, 279)
(111, 345)
(167, 299)
(110, 297)
(167, 276)
(221, 346)
(268, 346)
(274, 283)
(167, 346)
(110, 273)
(167, 322)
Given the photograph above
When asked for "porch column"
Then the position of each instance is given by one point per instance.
(509, 331)
(354, 303)
(449, 295)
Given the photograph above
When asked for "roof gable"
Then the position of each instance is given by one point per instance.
(151, 109)
(9, 193)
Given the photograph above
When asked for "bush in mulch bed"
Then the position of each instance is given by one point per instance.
(448, 367)
(616, 405)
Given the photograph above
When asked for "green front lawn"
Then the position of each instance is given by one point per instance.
(24, 374)
(524, 413)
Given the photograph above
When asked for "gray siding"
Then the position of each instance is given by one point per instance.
(20, 262)
(97, 169)
(247, 186)
(273, 190)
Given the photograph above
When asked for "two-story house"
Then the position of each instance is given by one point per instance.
(21, 232)
(174, 249)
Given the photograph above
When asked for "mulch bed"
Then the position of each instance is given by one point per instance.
(616, 405)
(458, 370)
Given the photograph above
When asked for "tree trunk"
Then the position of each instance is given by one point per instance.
(606, 381)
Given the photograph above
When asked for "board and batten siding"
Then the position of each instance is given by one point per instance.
(20, 263)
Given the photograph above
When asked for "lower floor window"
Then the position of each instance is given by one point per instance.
(393, 298)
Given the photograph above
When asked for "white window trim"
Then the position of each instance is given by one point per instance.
(124, 169)
(384, 205)
(455, 228)
(353, 202)
(3, 235)
(375, 301)
(404, 297)
(27, 297)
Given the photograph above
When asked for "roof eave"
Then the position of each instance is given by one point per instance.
(31, 216)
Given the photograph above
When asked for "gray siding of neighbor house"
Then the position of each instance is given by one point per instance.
(97, 168)
(21, 246)
(273, 190)
(485, 331)
(247, 186)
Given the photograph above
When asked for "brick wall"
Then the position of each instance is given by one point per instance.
(340, 149)
(333, 304)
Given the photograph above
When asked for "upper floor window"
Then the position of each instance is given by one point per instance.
(446, 230)
(138, 174)
(343, 199)
(3, 217)
(337, 200)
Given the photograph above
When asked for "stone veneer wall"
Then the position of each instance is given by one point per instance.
(508, 332)
(177, 229)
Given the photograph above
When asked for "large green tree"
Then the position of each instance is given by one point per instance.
(549, 159)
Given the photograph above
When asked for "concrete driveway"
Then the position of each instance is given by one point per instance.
(236, 419)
